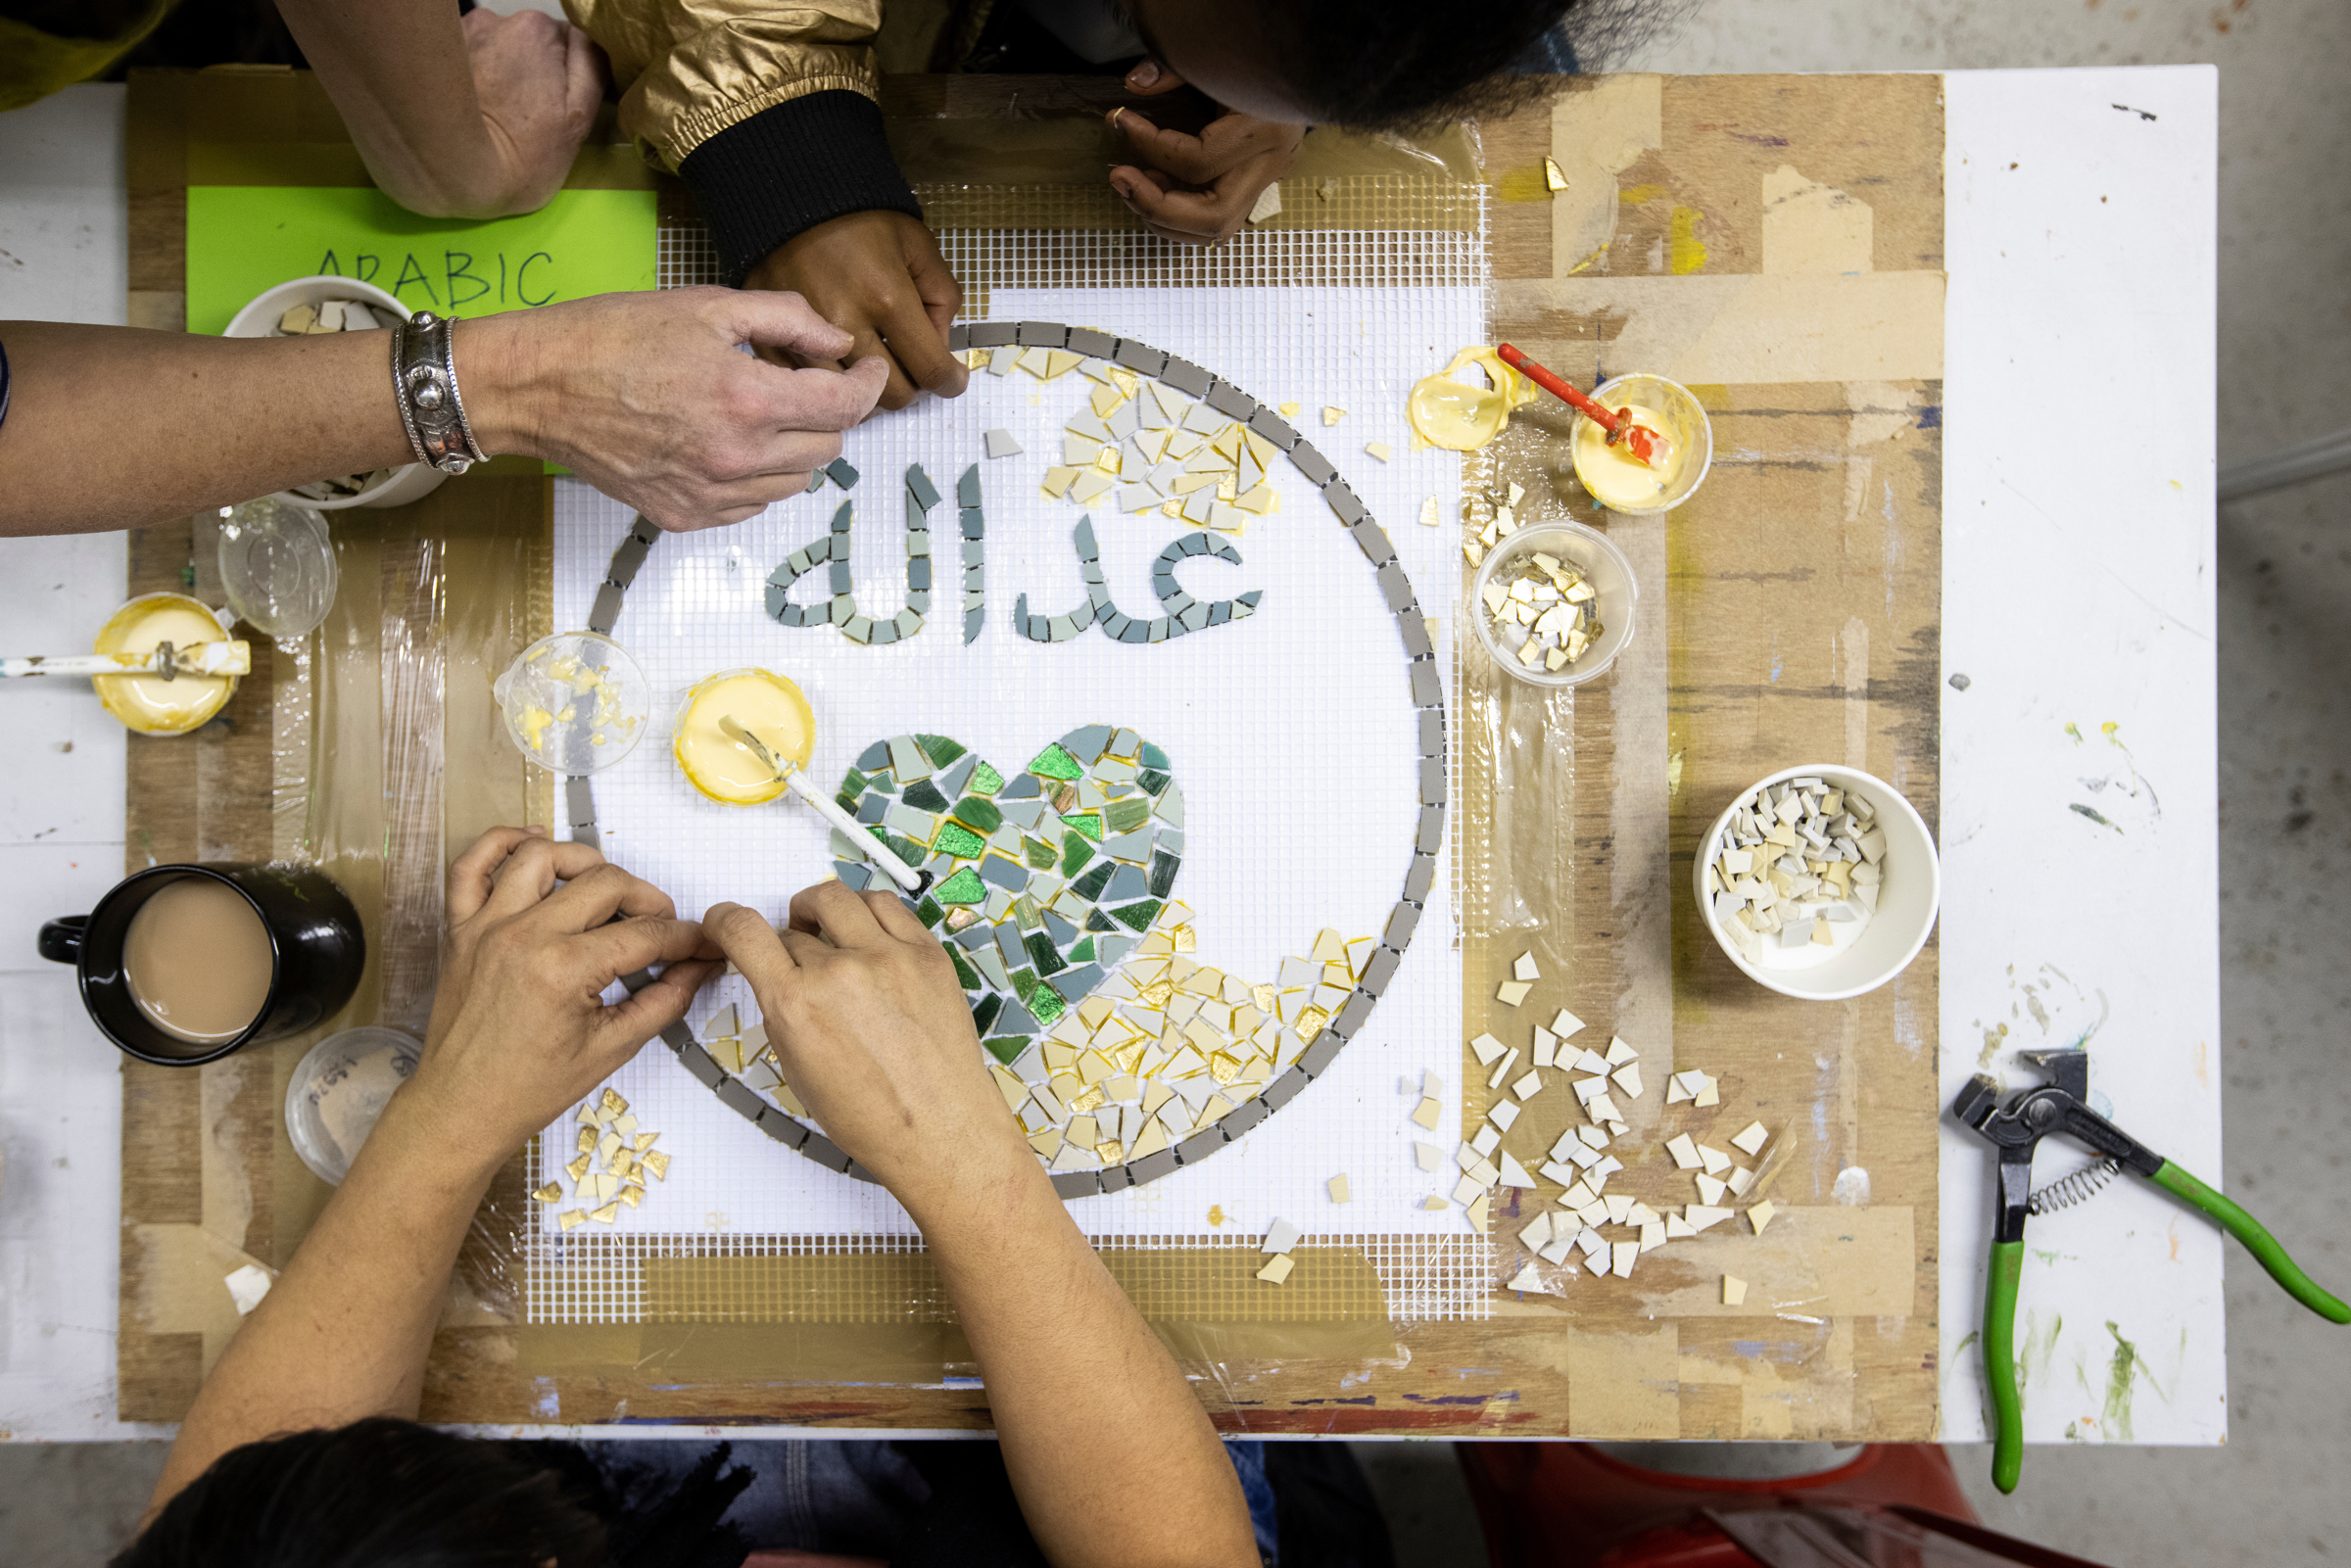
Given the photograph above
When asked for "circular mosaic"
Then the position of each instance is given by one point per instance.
(1053, 885)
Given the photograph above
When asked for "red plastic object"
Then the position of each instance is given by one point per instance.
(1619, 427)
(1570, 1505)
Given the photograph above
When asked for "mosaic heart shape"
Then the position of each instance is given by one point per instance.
(1041, 881)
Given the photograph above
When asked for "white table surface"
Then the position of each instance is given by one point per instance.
(2077, 589)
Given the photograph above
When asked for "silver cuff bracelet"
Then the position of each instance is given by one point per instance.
(424, 383)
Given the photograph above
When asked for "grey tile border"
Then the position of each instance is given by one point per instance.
(1427, 696)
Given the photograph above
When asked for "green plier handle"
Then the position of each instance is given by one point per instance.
(2008, 1267)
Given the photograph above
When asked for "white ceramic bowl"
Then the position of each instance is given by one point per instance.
(396, 486)
(1912, 896)
(1602, 564)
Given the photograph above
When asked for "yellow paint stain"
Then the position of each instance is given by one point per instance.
(1216, 1213)
(1685, 253)
(1673, 774)
(2109, 730)
(1637, 195)
(2075, 732)
(1523, 185)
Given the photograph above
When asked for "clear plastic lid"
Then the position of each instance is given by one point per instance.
(339, 1089)
(574, 702)
(277, 566)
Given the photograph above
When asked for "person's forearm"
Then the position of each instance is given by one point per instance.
(399, 75)
(1084, 1395)
(344, 1332)
(114, 427)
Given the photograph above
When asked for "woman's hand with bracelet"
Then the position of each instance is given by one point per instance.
(651, 399)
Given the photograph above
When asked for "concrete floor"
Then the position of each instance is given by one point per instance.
(2285, 777)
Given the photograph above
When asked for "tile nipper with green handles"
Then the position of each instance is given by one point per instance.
(2016, 1129)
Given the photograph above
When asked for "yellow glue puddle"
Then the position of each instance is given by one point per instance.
(1461, 415)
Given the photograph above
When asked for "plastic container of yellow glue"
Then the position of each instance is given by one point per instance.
(149, 703)
(1619, 481)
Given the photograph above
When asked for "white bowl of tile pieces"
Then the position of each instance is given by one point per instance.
(1909, 897)
(386, 487)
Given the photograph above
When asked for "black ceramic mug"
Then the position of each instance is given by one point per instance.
(316, 952)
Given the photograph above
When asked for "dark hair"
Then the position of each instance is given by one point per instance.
(388, 1494)
(1407, 65)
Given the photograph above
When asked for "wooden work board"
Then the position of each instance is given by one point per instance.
(1775, 243)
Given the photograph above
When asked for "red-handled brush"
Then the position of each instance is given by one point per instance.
(1645, 443)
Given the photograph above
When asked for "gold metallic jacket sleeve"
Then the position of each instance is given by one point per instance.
(690, 69)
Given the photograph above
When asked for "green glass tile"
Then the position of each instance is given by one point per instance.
(1153, 757)
(1049, 1006)
(1152, 779)
(1163, 873)
(981, 814)
(963, 888)
(939, 748)
(1090, 886)
(906, 849)
(1074, 852)
(852, 782)
(964, 971)
(1040, 853)
(956, 839)
(1096, 921)
(1025, 912)
(923, 795)
(1044, 954)
(985, 780)
(929, 912)
(1138, 917)
(1126, 816)
(985, 1012)
(848, 803)
(1007, 1048)
(1055, 763)
(1087, 823)
(1084, 952)
(1026, 984)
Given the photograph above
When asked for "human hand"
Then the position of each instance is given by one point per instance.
(1197, 190)
(878, 276)
(539, 83)
(649, 398)
(519, 1030)
(862, 1006)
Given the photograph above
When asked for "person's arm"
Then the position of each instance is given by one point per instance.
(645, 396)
(518, 1033)
(1197, 190)
(1110, 1455)
(473, 117)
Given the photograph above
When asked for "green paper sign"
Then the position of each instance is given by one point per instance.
(243, 239)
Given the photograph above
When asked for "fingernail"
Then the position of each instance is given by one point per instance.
(1144, 75)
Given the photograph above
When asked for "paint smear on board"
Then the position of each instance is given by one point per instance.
(1685, 252)
(2119, 1374)
(2094, 814)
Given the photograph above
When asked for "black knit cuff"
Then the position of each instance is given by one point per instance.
(790, 167)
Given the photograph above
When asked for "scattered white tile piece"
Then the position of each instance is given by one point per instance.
(1625, 1252)
(1510, 993)
(1704, 1216)
(1621, 1053)
(1502, 1114)
(1752, 1140)
(1567, 1025)
(1715, 1159)
(1525, 1280)
(1536, 1234)
(1676, 1228)
(1556, 1250)
(1592, 1137)
(1487, 1049)
(1711, 1189)
(1734, 1291)
(1269, 204)
(1593, 1061)
(1001, 445)
(1759, 1214)
(246, 1285)
(1513, 1175)
(1592, 1243)
(1468, 1189)
(1433, 1085)
(1597, 1262)
(1427, 1112)
(1280, 1237)
(1525, 969)
(1278, 1268)
(1742, 1179)
(1429, 1155)
(1675, 1094)
(1628, 1078)
(1501, 1069)
(1706, 1096)
(1652, 1236)
(1600, 1108)
(1340, 1192)
(1487, 1138)
(1684, 1149)
(1619, 1207)
(1547, 1046)
(1379, 450)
